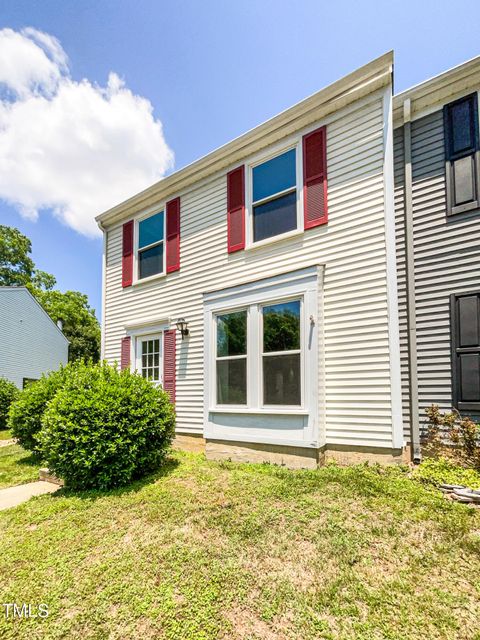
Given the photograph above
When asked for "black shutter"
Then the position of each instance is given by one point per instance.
(462, 159)
(465, 318)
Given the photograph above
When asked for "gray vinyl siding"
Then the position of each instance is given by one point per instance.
(354, 380)
(30, 342)
(447, 260)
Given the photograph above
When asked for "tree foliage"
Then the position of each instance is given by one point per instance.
(8, 394)
(16, 266)
(80, 325)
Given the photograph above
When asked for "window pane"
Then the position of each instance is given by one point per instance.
(275, 217)
(150, 261)
(281, 379)
(274, 176)
(150, 230)
(232, 334)
(462, 126)
(281, 326)
(232, 381)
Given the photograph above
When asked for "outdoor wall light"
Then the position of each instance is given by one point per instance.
(182, 326)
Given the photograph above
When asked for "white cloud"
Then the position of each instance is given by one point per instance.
(74, 147)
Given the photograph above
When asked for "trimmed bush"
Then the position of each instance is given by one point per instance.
(106, 427)
(8, 394)
(25, 416)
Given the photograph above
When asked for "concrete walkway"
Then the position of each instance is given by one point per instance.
(7, 443)
(12, 496)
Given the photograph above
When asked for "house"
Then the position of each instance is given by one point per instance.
(31, 343)
(437, 198)
(258, 285)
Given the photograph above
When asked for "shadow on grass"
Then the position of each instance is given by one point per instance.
(30, 461)
(167, 467)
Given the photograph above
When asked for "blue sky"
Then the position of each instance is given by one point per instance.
(213, 70)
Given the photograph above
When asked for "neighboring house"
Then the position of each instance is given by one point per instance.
(31, 343)
(437, 187)
(278, 253)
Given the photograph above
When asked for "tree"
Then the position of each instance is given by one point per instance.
(17, 268)
(80, 325)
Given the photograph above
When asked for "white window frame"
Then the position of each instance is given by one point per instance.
(305, 285)
(264, 156)
(136, 238)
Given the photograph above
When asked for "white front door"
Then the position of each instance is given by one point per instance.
(149, 357)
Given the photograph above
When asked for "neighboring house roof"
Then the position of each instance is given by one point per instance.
(431, 94)
(14, 289)
(366, 79)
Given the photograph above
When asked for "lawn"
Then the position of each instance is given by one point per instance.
(5, 434)
(17, 466)
(206, 550)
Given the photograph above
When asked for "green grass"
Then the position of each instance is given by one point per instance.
(5, 434)
(17, 466)
(223, 551)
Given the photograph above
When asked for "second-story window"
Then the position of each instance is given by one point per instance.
(274, 196)
(462, 155)
(150, 252)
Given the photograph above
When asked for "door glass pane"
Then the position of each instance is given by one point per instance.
(281, 379)
(232, 381)
(150, 261)
(275, 217)
(274, 176)
(150, 230)
(232, 334)
(281, 326)
(462, 126)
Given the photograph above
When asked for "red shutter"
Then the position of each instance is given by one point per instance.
(169, 365)
(315, 178)
(125, 353)
(173, 235)
(236, 209)
(127, 254)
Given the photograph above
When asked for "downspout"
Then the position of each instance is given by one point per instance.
(410, 285)
(104, 282)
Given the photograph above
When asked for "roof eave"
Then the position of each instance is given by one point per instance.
(366, 79)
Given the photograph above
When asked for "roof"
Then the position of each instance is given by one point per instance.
(15, 289)
(366, 79)
(431, 94)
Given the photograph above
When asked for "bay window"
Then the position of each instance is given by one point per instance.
(261, 360)
(237, 360)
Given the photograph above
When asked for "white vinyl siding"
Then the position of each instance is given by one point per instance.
(354, 379)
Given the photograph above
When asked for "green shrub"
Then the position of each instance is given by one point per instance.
(444, 470)
(25, 416)
(8, 394)
(460, 431)
(105, 427)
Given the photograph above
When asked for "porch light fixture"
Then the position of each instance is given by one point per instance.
(182, 326)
